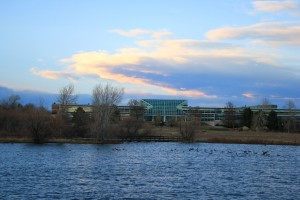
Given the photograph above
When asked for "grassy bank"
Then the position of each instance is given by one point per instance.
(248, 137)
(208, 135)
(224, 135)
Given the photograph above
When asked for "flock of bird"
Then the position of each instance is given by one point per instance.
(212, 151)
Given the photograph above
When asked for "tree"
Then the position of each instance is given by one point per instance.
(229, 115)
(81, 122)
(158, 120)
(259, 120)
(116, 115)
(104, 99)
(136, 109)
(272, 121)
(132, 125)
(188, 126)
(265, 103)
(11, 119)
(247, 117)
(66, 96)
(290, 120)
(38, 123)
(11, 102)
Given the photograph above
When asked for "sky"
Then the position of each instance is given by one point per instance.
(209, 52)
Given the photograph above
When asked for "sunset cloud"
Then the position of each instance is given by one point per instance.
(209, 53)
(188, 93)
(111, 69)
(53, 74)
(155, 64)
(271, 33)
(275, 6)
(248, 95)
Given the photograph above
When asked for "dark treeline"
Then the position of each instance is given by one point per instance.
(38, 123)
(17, 120)
(261, 120)
(104, 122)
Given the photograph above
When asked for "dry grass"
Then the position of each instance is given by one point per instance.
(223, 135)
(15, 140)
(205, 134)
(248, 137)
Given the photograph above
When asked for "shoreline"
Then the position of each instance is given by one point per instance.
(249, 137)
(225, 137)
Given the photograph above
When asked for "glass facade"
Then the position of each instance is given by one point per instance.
(164, 107)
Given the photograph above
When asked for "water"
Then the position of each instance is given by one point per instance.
(149, 171)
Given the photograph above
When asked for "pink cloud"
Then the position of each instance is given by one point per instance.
(248, 95)
(53, 74)
(274, 6)
(270, 33)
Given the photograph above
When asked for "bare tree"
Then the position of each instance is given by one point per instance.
(11, 119)
(260, 121)
(132, 125)
(66, 96)
(11, 102)
(229, 115)
(104, 99)
(290, 120)
(260, 118)
(38, 123)
(136, 109)
(187, 126)
(265, 103)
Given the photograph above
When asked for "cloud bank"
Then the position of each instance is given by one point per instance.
(275, 6)
(268, 33)
(228, 63)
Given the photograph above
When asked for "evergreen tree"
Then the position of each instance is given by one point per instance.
(80, 120)
(247, 117)
(272, 121)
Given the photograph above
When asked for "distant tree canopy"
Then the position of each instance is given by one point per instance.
(229, 115)
(136, 109)
(259, 120)
(265, 102)
(81, 122)
(273, 121)
(247, 117)
(290, 121)
(11, 102)
(39, 123)
(66, 96)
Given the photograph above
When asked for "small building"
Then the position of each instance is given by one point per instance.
(71, 108)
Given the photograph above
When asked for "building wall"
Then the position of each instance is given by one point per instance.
(168, 109)
(56, 108)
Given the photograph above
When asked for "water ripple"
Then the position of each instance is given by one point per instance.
(149, 171)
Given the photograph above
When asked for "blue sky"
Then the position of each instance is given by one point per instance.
(209, 51)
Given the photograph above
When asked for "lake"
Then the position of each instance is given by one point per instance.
(149, 171)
